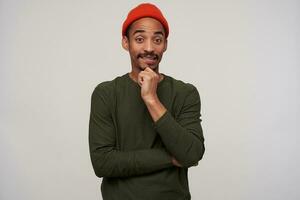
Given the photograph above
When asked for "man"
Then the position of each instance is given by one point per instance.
(145, 130)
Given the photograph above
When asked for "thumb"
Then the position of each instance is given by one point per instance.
(140, 80)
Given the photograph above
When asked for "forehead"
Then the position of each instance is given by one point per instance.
(147, 24)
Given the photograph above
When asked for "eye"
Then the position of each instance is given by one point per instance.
(157, 40)
(139, 39)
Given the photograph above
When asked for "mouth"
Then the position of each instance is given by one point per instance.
(149, 59)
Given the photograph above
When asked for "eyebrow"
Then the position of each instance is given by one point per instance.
(142, 31)
(138, 31)
(158, 33)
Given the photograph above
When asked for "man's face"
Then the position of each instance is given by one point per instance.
(146, 43)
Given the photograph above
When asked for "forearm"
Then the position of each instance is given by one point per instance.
(109, 162)
(184, 144)
(155, 108)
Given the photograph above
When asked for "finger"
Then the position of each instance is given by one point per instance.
(175, 162)
(140, 79)
(145, 75)
(145, 72)
(151, 74)
(148, 69)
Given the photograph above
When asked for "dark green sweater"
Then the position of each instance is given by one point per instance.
(132, 152)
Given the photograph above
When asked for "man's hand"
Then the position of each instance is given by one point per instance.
(175, 162)
(148, 80)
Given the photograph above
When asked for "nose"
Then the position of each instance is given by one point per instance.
(148, 46)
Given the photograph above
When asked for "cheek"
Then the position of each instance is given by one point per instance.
(160, 52)
(160, 49)
(134, 51)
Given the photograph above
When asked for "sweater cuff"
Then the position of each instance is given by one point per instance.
(165, 117)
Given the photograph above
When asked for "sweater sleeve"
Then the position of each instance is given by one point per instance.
(106, 159)
(183, 137)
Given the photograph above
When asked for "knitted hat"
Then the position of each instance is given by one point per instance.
(145, 10)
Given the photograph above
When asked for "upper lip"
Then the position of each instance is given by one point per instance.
(153, 57)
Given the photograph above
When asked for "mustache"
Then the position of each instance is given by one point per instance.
(147, 54)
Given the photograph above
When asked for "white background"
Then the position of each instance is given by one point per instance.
(243, 56)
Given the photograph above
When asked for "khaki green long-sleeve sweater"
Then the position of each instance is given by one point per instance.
(132, 152)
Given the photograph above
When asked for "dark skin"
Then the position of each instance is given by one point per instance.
(146, 43)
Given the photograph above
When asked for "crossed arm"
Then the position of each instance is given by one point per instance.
(106, 159)
(182, 137)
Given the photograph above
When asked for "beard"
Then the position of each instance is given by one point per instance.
(148, 59)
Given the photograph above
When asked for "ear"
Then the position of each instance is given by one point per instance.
(166, 45)
(125, 43)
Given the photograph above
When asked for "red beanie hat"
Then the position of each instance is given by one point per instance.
(145, 10)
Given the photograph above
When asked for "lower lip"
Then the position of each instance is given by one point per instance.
(149, 61)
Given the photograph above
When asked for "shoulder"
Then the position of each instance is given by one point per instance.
(108, 87)
(181, 87)
(104, 89)
(185, 93)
